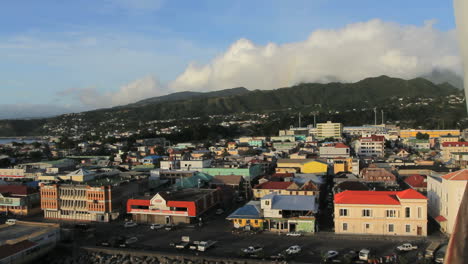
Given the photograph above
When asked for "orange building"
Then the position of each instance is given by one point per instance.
(85, 202)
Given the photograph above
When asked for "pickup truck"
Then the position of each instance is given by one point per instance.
(407, 247)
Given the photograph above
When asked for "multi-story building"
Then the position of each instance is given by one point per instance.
(329, 130)
(449, 138)
(445, 194)
(334, 151)
(402, 213)
(101, 202)
(370, 146)
(453, 147)
(19, 200)
(176, 207)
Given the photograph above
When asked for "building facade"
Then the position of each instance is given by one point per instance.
(401, 213)
(177, 207)
(329, 130)
(19, 200)
(372, 146)
(445, 194)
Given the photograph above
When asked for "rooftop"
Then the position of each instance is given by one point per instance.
(273, 185)
(292, 202)
(376, 197)
(461, 175)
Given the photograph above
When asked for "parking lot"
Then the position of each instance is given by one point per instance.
(314, 247)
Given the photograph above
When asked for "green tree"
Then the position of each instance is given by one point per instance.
(420, 135)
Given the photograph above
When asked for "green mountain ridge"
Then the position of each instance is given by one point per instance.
(367, 93)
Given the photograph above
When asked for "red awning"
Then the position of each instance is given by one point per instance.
(440, 219)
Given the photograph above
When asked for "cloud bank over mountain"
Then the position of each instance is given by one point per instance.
(348, 54)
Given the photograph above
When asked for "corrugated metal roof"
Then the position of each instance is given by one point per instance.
(249, 211)
(292, 202)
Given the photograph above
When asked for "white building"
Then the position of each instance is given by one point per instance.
(195, 164)
(373, 146)
(334, 151)
(445, 194)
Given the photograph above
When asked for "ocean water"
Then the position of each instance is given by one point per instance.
(9, 140)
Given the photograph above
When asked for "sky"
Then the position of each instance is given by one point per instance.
(63, 56)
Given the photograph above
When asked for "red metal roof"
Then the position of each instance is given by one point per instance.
(374, 138)
(376, 197)
(274, 185)
(460, 175)
(416, 181)
(282, 175)
(440, 219)
(455, 144)
(340, 145)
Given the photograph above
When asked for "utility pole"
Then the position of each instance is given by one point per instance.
(299, 119)
(383, 121)
(375, 115)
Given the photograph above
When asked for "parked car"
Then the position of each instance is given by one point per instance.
(407, 247)
(131, 240)
(431, 249)
(252, 249)
(204, 245)
(296, 249)
(331, 254)
(156, 226)
(295, 234)
(364, 254)
(219, 211)
(351, 255)
(130, 224)
(169, 227)
(440, 254)
(10, 221)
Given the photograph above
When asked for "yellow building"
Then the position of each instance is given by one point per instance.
(411, 133)
(248, 216)
(342, 165)
(301, 166)
(400, 213)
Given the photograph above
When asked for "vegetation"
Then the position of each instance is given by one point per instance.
(409, 103)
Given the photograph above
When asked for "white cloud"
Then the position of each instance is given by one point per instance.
(129, 93)
(349, 54)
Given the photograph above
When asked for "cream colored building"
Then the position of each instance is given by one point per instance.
(400, 213)
(445, 194)
(453, 147)
(329, 130)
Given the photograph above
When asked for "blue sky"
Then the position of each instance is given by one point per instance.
(50, 49)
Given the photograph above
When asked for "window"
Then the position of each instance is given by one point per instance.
(391, 228)
(366, 226)
(345, 226)
(408, 228)
(419, 212)
(391, 213)
(343, 212)
(267, 202)
(407, 212)
(366, 213)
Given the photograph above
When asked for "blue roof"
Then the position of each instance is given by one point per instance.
(249, 211)
(153, 157)
(292, 202)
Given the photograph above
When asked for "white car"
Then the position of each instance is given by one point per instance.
(252, 249)
(331, 254)
(296, 249)
(10, 221)
(130, 224)
(407, 247)
(156, 226)
(295, 234)
(131, 240)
